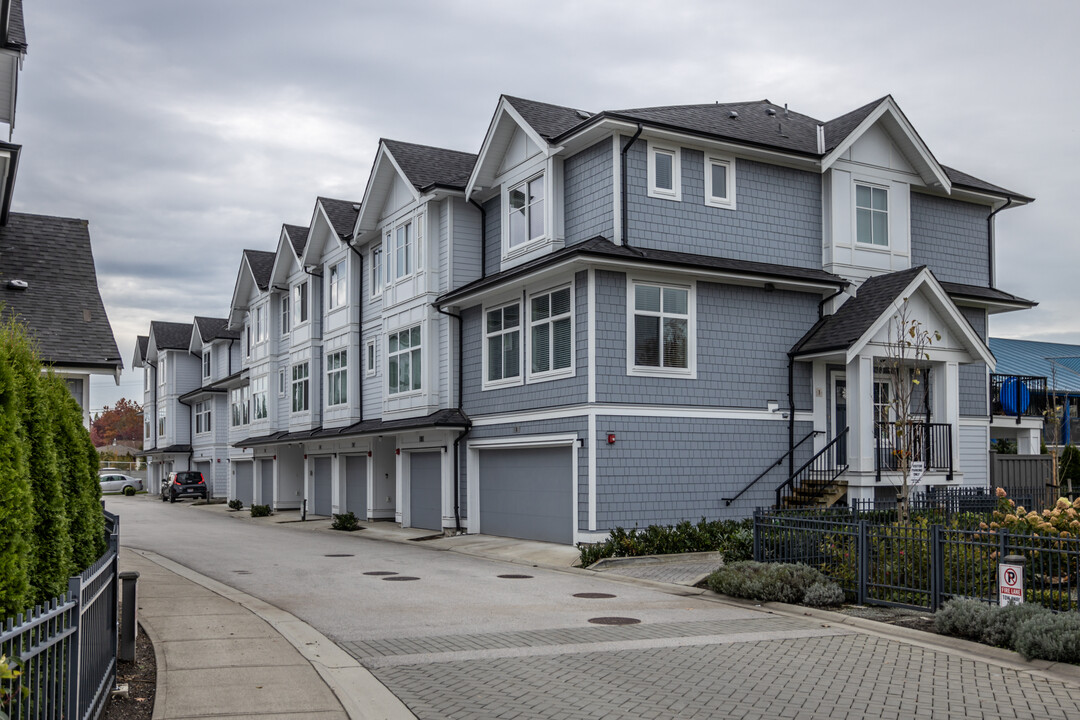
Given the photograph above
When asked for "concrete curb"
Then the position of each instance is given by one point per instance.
(360, 693)
(160, 688)
(655, 559)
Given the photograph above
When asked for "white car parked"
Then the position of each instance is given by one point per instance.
(114, 482)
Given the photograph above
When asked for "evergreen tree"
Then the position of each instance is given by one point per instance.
(77, 464)
(16, 518)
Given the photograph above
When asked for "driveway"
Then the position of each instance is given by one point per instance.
(460, 641)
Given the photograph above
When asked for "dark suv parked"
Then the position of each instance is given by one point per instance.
(186, 483)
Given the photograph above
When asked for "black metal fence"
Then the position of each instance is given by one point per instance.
(1017, 395)
(65, 649)
(938, 504)
(919, 564)
(929, 443)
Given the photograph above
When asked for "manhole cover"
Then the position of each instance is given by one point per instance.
(401, 577)
(614, 621)
(516, 577)
(338, 555)
(380, 572)
(594, 596)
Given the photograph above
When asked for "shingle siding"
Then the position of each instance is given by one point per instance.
(493, 234)
(949, 236)
(778, 215)
(973, 387)
(743, 337)
(588, 207)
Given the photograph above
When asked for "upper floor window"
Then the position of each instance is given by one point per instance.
(337, 378)
(551, 333)
(206, 364)
(664, 172)
(403, 361)
(663, 329)
(300, 303)
(526, 211)
(146, 428)
(503, 343)
(261, 331)
(258, 397)
(719, 181)
(146, 377)
(376, 270)
(239, 405)
(301, 395)
(872, 215)
(161, 421)
(202, 417)
(286, 317)
(161, 371)
(372, 359)
(247, 338)
(282, 385)
(338, 285)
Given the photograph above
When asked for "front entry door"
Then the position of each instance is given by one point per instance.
(840, 417)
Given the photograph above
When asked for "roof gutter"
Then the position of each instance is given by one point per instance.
(360, 326)
(622, 204)
(483, 237)
(990, 242)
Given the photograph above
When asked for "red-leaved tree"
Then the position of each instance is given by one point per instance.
(122, 423)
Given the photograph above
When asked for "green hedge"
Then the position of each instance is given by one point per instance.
(1032, 630)
(733, 538)
(51, 525)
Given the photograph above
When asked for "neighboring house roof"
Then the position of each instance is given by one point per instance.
(61, 303)
(261, 263)
(297, 235)
(170, 450)
(428, 167)
(119, 449)
(341, 213)
(440, 418)
(204, 390)
(142, 344)
(600, 247)
(851, 321)
(170, 335)
(1059, 363)
(211, 329)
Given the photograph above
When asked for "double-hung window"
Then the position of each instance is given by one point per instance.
(872, 215)
(664, 172)
(503, 346)
(662, 328)
(376, 270)
(161, 421)
(202, 417)
(161, 371)
(282, 385)
(240, 404)
(261, 331)
(300, 387)
(404, 361)
(337, 378)
(300, 303)
(720, 181)
(526, 212)
(371, 354)
(206, 364)
(403, 250)
(258, 397)
(338, 285)
(286, 316)
(551, 332)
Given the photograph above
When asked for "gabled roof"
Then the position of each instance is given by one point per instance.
(958, 291)
(440, 418)
(547, 120)
(1059, 363)
(297, 235)
(261, 263)
(142, 344)
(837, 129)
(13, 27)
(256, 268)
(61, 303)
(427, 167)
(170, 335)
(341, 214)
(211, 329)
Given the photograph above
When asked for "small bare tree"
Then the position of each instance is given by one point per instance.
(905, 365)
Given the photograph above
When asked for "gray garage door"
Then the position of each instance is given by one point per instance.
(245, 478)
(207, 471)
(266, 481)
(527, 493)
(356, 485)
(323, 504)
(425, 490)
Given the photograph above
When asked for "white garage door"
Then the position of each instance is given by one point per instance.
(527, 493)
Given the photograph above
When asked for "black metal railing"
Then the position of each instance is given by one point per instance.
(1017, 396)
(779, 461)
(810, 482)
(926, 442)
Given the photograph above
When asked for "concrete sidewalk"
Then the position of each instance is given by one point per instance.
(224, 654)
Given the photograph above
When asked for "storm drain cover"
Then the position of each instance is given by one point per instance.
(594, 596)
(338, 555)
(516, 577)
(401, 577)
(614, 621)
(380, 572)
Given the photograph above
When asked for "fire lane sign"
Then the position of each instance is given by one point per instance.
(1010, 584)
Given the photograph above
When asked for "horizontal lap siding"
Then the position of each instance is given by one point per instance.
(949, 236)
(743, 337)
(974, 455)
(973, 379)
(670, 470)
(588, 195)
(777, 220)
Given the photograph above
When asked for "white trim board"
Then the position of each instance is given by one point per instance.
(670, 411)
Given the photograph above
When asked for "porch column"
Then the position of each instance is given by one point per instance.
(1027, 441)
(399, 498)
(860, 412)
(952, 408)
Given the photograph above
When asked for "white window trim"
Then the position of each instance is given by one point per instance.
(306, 381)
(690, 371)
(207, 364)
(418, 220)
(264, 382)
(522, 328)
(676, 171)
(206, 411)
(286, 314)
(296, 306)
(371, 366)
(378, 275)
(162, 370)
(330, 372)
(423, 362)
(530, 376)
(855, 242)
(530, 244)
(283, 383)
(337, 285)
(728, 162)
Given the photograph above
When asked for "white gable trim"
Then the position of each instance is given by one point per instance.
(933, 174)
(280, 273)
(487, 166)
(370, 207)
(245, 283)
(940, 301)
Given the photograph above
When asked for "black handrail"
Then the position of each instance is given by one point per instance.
(830, 469)
(766, 471)
(930, 443)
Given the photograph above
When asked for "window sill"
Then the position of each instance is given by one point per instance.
(404, 395)
(511, 253)
(664, 195)
(501, 384)
(676, 373)
(873, 248)
(721, 204)
(551, 375)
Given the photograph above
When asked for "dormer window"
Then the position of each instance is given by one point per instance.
(526, 211)
(665, 172)
(872, 215)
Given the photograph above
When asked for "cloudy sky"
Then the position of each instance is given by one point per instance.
(187, 131)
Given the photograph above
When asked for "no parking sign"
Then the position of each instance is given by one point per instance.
(1010, 584)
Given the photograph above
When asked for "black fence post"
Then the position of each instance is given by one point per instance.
(937, 567)
(74, 647)
(757, 535)
(862, 551)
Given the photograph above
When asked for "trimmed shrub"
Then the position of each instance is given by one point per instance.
(733, 538)
(823, 594)
(1049, 637)
(1001, 623)
(346, 521)
(236, 504)
(963, 618)
(16, 514)
(260, 511)
(774, 582)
